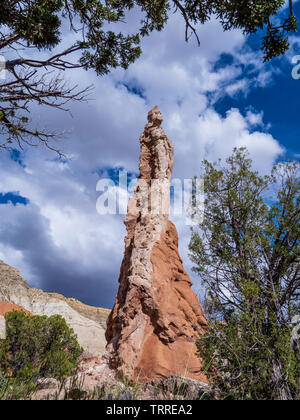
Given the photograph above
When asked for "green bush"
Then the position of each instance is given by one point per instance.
(247, 254)
(240, 360)
(38, 347)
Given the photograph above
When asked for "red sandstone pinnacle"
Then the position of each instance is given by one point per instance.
(157, 317)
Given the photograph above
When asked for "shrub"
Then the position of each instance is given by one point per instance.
(38, 347)
(240, 360)
(247, 254)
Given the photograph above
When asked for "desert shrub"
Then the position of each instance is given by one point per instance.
(242, 360)
(38, 347)
(247, 254)
(3, 386)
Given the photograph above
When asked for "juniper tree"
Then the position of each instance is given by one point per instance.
(38, 347)
(247, 254)
(37, 51)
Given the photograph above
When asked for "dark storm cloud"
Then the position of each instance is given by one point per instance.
(51, 268)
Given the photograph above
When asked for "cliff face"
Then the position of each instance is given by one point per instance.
(157, 317)
(89, 323)
(4, 308)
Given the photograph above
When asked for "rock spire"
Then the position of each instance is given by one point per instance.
(152, 328)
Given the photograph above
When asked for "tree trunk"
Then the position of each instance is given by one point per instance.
(281, 390)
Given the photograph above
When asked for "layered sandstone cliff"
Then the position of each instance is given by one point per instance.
(6, 307)
(157, 317)
(89, 323)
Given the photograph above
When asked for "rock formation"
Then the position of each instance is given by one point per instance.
(89, 323)
(152, 329)
(4, 308)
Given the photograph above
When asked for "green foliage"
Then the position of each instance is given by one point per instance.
(38, 347)
(3, 386)
(251, 362)
(247, 254)
(39, 23)
(250, 16)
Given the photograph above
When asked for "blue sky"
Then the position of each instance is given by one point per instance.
(13, 198)
(280, 104)
(213, 98)
(279, 100)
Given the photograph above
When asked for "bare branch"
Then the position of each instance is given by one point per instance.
(54, 61)
(291, 7)
(8, 40)
(188, 24)
(20, 93)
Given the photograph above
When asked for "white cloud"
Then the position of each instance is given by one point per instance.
(221, 135)
(58, 240)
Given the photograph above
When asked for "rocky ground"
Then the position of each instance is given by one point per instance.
(89, 384)
(173, 388)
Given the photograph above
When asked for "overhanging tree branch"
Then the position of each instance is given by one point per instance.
(188, 25)
(29, 29)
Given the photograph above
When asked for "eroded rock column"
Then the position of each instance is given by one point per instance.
(152, 329)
